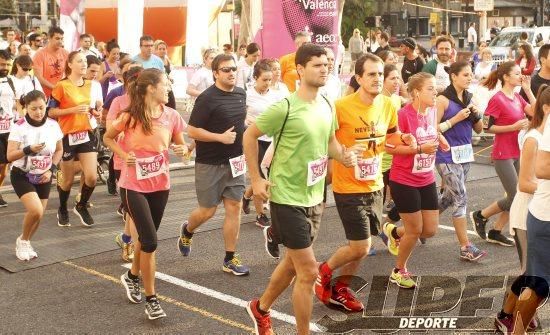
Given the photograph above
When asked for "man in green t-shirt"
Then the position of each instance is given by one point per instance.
(303, 127)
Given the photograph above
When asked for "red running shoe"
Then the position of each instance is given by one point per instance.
(322, 283)
(262, 323)
(345, 297)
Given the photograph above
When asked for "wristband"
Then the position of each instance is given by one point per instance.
(419, 149)
(53, 169)
(27, 150)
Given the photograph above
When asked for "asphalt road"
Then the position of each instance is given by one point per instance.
(85, 295)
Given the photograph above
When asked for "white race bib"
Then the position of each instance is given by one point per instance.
(423, 163)
(5, 124)
(39, 164)
(79, 138)
(367, 168)
(462, 154)
(316, 170)
(150, 167)
(238, 166)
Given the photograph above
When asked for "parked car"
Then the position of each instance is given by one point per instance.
(506, 42)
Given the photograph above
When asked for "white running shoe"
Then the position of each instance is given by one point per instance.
(21, 250)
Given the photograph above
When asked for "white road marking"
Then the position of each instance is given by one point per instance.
(225, 297)
(471, 232)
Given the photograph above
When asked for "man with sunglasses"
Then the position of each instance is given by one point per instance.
(146, 57)
(217, 126)
(369, 119)
(35, 41)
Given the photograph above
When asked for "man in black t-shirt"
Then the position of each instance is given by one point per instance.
(217, 126)
(412, 63)
(543, 76)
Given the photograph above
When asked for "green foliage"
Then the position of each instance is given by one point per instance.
(355, 12)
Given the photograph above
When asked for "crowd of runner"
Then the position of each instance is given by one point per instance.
(287, 125)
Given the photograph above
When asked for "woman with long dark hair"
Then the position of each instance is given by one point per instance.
(526, 59)
(149, 128)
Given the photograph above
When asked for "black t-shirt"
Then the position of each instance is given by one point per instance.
(216, 111)
(536, 82)
(380, 49)
(411, 67)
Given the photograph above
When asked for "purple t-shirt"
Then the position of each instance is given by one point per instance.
(505, 112)
(416, 170)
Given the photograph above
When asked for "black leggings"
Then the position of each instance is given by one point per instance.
(146, 210)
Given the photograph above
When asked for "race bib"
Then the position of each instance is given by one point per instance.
(316, 170)
(423, 163)
(79, 138)
(462, 154)
(39, 164)
(5, 124)
(367, 168)
(150, 167)
(238, 166)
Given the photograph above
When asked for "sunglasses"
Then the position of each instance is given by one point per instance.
(228, 69)
(26, 69)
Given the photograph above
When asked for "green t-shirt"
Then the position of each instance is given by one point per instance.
(387, 158)
(305, 139)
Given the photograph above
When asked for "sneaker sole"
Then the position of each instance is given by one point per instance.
(474, 227)
(62, 225)
(397, 283)
(128, 295)
(266, 244)
(251, 314)
(178, 242)
(235, 273)
(260, 225)
(163, 315)
(336, 303)
(499, 242)
(80, 217)
(474, 259)
(2, 206)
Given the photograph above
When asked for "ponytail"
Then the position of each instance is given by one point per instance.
(498, 74)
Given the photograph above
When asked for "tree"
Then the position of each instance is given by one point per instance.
(7, 8)
(353, 14)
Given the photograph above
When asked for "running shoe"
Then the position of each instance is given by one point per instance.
(323, 290)
(127, 248)
(402, 278)
(32, 253)
(262, 221)
(184, 243)
(372, 251)
(479, 224)
(63, 218)
(235, 266)
(534, 324)
(262, 322)
(133, 290)
(345, 298)
(505, 325)
(111, 187)
(271, 247)
(384, 238)
(495, 236)
(472, 253)
(3, 203)
(77, 200)
(153, 309)
(246, 205)
(21, 250)
(120, 210)
(393, 244)
(83, 214)
(388, 206)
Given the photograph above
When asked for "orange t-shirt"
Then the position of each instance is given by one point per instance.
(288, 71)
(370, 123)
(69, 95)
(51, 65)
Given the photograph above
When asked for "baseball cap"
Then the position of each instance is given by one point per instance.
(408, 42)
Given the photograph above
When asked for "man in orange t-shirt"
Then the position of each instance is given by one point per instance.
(49, 62)
(288, 62)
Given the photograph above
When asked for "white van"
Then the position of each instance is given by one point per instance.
(508, 39)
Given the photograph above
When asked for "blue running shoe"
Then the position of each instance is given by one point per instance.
(235, 267)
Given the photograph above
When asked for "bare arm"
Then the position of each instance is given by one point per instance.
(40, 76)
(192, 90)
(527, 181)
(542, 165)
(204, 135)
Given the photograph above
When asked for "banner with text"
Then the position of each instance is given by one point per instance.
(282, 19)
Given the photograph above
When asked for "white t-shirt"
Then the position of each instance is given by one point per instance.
(482, 70)
(96, 95)
(202, 79)
(25, 85)
(442, 79)
(280, 90)
(332, 89)
(49, 133)
(539, 204)
(472, 35)
(245, 79)
(518, 211)
(257, 103)
(7, 104)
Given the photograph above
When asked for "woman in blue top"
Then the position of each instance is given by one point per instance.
(457, 117)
